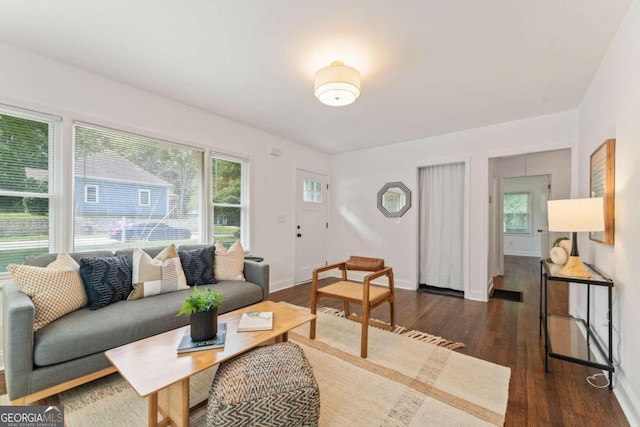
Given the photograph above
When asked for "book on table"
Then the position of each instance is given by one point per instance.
(256, 321)
(187, 344)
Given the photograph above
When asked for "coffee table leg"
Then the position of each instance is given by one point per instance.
(153, 410)
(173, 403)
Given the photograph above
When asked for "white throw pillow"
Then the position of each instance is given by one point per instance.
(229, 264)
(55, 290)
(156, 276)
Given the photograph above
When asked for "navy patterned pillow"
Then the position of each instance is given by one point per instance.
(198, 265)
(106, 280)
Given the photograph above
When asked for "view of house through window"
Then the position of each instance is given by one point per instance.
(26, 185)
(147, 190)
(516, 213)
(229, 182)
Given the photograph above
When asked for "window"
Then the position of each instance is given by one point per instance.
(516, 213)
(230, 196)
(150, 190)
(312, 191)
(144, 197)
(27, 184)
(91, 193)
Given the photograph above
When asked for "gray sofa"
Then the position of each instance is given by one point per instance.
(70, 351)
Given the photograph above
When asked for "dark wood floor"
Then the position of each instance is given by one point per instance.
(506, 332)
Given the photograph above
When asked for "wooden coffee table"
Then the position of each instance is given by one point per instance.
(155, 370)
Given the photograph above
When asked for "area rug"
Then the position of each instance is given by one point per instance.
(403, 382)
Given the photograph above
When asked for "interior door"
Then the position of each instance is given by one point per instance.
(311, 224)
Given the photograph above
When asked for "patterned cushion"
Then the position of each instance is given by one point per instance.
(106, 280)
(268, 386)
(229, 264)
(55, 290)
(156, 276)
(198, 265)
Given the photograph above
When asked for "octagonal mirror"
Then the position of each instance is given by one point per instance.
(394, 199)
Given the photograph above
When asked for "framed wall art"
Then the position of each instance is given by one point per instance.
(602, 184)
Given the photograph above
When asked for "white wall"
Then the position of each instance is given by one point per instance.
(358, 228)
(611, 109)
(526, 244)
(34, 82)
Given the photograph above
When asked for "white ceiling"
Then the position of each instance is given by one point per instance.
(428, 67)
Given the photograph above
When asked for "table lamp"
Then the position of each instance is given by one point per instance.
(576, 215)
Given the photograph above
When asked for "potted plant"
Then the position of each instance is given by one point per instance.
(202, 307)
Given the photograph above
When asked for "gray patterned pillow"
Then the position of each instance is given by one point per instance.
(197, 265)
(106, 280)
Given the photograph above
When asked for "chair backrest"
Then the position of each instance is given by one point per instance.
(364, 263)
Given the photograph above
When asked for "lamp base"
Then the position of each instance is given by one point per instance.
(574, 268)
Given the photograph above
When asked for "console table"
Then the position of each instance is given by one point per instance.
(564, 338)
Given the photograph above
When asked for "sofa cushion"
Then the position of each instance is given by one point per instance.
(86, 332)
(229, 263)
(156, 276)
(43, 260)
(106, 280)
(55, 290)
(198, 265)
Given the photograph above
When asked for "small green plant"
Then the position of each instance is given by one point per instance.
(558, 240)
(200, 301)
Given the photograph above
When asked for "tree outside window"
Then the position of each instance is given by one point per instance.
(516, 210)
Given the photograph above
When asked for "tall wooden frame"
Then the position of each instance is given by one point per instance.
(602, 184)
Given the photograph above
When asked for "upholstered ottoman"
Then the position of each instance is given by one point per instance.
(267, 386)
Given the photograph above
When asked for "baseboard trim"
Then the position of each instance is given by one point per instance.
(281, 285)
(523, 253)
(627, 399)
(360, 275)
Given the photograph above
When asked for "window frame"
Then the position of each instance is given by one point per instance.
(245, 196)
(142, 191)
(55, 170)
(528, 232)
(97, 193)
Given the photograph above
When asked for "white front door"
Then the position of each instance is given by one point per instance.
(311, 224)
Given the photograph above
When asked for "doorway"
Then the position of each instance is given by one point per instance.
(538, 177)
(311, 224)
(441, 228)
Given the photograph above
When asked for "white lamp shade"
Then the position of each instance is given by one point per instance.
(576, 214)
(337, 84)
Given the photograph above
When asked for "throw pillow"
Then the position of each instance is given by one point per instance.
(156, 276)
(198, 265)
(229, 263)
(106, 280)
(55, 290)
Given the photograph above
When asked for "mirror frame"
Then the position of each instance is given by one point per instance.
(407, 196)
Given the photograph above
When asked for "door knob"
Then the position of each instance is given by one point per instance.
(299, 235)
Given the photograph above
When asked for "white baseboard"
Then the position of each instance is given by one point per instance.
(281, 284)
(627, 399)
(397, 283)
(523, 253)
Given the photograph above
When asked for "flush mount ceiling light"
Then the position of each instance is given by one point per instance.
(337, 84)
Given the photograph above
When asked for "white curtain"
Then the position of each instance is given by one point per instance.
(442, 225)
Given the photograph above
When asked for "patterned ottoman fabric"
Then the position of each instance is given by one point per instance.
(267, 386)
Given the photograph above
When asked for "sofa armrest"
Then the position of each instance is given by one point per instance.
(258, 273)
(18, 314)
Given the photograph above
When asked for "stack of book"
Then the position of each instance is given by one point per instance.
(187, 344)
(256, 321)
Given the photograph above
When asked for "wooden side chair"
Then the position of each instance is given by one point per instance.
(366, 294)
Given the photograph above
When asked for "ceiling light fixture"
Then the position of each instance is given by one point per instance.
(337, 84)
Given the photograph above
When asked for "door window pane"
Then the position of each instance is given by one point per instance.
(312, 191)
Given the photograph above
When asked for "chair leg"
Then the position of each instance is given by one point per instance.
(346, 309)
(365, 330)
(314, 307)
(392, 306)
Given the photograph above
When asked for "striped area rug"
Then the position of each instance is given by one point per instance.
(403, 382)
